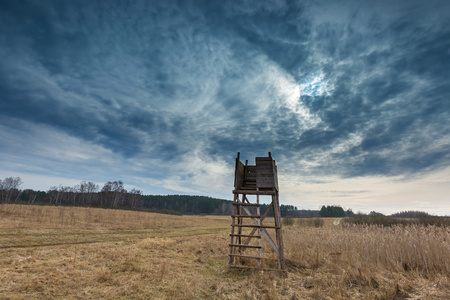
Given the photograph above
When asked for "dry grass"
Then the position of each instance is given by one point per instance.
(86, 253)
(370, 262)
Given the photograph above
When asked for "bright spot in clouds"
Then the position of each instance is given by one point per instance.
(315, 86)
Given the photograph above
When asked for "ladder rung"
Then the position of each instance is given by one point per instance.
(256, 226)
(246, 216)
(246, 235)
(245, 246)
(247, 256)
(250, 267)
(245, 204)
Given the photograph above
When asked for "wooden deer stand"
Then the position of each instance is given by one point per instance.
(248, 226)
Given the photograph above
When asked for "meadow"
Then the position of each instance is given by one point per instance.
(50, 252)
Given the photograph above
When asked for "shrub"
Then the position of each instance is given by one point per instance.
(311, 222)
(428, 220)
(288, 221)
(375, 219)
(317, 222)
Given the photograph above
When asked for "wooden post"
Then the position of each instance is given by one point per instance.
(279, 232)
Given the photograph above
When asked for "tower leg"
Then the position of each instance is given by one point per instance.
(278, 231)
(233, 223)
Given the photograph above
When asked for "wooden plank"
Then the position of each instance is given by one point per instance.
(250, 172)
(246, 235)
(257, 226)
(279, 232)
(258, 212)
(239, 174)
(263, 159)
(255, 192)
(245, 246)
(248, 188)
(269, 239)
(266, 173)
(246, 216)
(230, 260)
(246, 256)
(246, 204)
(265, 177)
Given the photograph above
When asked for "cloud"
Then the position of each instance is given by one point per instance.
(168, 92)
(370, 193)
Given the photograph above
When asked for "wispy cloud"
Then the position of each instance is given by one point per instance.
(165, 93)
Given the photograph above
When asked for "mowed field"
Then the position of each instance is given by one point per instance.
(89, 253)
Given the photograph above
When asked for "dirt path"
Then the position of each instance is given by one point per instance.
(337, 221)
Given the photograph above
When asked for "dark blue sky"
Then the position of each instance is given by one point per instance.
(351, 97)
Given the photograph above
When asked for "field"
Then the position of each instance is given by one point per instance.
(89, 253)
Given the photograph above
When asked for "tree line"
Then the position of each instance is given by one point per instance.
(187, 204)
(114, 195)
(207, 205)
(111, 195)
(334, 211)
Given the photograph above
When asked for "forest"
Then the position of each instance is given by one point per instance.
(114, 195)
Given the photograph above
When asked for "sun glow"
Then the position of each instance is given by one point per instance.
(291, 92)
(315, 85)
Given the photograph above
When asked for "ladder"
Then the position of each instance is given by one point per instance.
(245, 236)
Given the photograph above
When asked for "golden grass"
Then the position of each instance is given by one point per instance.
(87, 253)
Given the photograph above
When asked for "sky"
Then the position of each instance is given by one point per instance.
(352, 98)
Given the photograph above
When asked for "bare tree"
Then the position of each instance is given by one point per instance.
(9, 188)
(32, 195)
(55, 194)
(74, 194)
(88, 192)
(134, 198)
(112, 194)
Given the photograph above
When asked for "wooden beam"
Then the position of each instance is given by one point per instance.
(245, 246)
(254, 192)
(257, 226)
(247, 256)
(247, 235)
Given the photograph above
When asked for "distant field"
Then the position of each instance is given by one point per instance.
(88, 253)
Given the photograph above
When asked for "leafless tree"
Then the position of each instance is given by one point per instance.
(9, 188)
(112, 194)
(74, 194)
(55, 194)
(88, 192)
(134, 198)
(32, 195)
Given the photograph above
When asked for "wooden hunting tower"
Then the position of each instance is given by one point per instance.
(248, 226)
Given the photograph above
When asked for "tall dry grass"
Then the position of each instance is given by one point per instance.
(87, 253)
(399, 248)
(372, 262)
